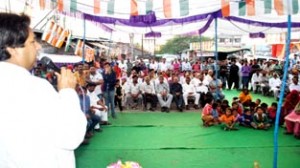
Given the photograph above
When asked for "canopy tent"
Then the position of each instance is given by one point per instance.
(169, 17)
(158, 17)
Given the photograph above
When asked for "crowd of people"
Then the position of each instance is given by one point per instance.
(124, 85)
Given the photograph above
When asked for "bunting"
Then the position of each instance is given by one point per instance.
(259, 7)
(54, 34)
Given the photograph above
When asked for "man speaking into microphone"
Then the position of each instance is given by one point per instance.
(39, 127)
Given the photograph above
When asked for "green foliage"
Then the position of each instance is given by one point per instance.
(180, 43)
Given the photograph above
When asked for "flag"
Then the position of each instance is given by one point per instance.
(55, 35)
(61, 39)
(60, 5)
(73, 6)
(149, 6)
(42, 4)
(225, 8)
(78, 48)
(89, 54)
(134, 8)
(69, 40)
(97, 6)
(167, 8)
(48, 30)
(267, 6)
(250, 5)
(176, 8)
(278, 6)
(111, 7)
(184, 7)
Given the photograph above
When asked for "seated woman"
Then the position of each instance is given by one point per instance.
(245, 97)
(289, 104)
(292, 122)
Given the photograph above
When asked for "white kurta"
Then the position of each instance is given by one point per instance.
(39, 127)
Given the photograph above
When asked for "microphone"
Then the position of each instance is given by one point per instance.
(46, 61)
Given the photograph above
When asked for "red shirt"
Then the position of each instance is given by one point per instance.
(207, 110)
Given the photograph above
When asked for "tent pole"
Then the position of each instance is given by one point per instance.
(110, 45)
(282, 89)
(216, 47)
(83, 46)
(201, 47)
(34, 27)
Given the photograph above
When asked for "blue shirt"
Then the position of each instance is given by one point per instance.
(85, 103)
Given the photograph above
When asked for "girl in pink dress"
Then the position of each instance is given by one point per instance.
(292, 121)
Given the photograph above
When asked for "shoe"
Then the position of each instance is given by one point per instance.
(297, 136)
(163, 109)
(196, 106)
(151, 109)
(88, 135)
(167, 110)
(288, 133)
(98, 130)
(180, 109)
(187, 107)
(85, 142)
(105, 123)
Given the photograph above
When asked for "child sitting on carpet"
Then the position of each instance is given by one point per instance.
(235, 106)
(215, 113)
(247, 119)
(206, 116)
(260, 119)
(227, 120)
(237, 116)
(271, 112)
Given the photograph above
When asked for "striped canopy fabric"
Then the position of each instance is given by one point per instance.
(165, 9)
(172, 17)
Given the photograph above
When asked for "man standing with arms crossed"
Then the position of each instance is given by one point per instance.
(39, 127)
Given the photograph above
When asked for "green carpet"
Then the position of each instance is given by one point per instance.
(160, 140)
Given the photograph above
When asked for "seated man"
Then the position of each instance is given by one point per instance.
(215, 87)
(274, 84)
(176, 91)
(189, 90)
(255, 81)
(134, 94)
(264, 83)
(92, 119)
(294, 85)
(148, 93)
(97, 105)
(163, 95)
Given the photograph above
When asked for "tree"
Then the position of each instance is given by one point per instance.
(179, 43)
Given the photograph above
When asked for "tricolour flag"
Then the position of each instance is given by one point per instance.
(97, 8)
(61, 39)
(69, 40)
(225, 8)
(258, 7)
(48, 30)
(67, 6)
(78, 48)
(55, 35)
(175, 8)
